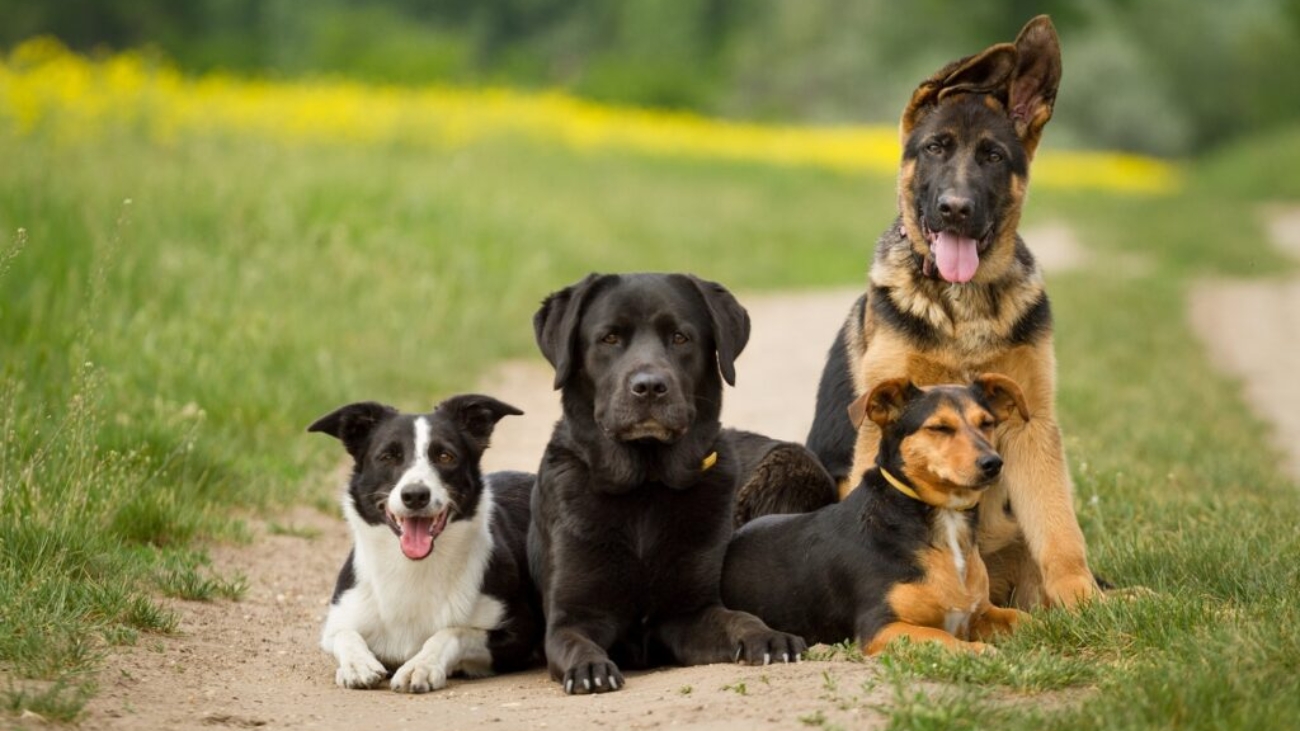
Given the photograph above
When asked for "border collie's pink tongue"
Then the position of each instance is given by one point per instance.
(417, 537)
(956, 257)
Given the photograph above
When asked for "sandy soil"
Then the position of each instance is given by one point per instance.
(256, 663)
(1252, 331)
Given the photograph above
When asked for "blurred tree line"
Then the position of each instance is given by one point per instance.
(1163, 76)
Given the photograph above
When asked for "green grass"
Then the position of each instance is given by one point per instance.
(163, 356)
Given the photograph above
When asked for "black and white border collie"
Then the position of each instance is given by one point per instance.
(437, 580)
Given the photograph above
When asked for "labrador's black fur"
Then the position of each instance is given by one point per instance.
(634, 500)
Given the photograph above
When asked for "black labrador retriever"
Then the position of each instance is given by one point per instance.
(634, 499)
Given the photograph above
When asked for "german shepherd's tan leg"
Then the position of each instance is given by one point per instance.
(1037, 482)
(918, 633)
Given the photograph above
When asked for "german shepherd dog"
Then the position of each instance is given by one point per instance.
(953, 292)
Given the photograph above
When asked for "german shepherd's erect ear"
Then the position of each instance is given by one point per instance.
(1023, 76)
(1038, 74)
(988, 72)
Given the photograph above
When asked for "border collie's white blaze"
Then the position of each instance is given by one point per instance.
(419, 526)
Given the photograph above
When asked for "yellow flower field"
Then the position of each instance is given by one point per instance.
(47, 90)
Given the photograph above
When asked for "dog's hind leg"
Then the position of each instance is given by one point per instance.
(718, 634)
(444, 653)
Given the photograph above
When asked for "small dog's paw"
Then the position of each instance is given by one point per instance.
(360, 673)
(419, 677)
(767, 647)
(601, 676)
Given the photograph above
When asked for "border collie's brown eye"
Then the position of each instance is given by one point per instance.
(680, 339)
(445, 458)
(611, 339)
(390, 455)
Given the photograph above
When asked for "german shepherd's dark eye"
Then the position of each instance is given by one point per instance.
(445, 458)
(680, 338)
(993, 156)
(934, 148)
(611, 339)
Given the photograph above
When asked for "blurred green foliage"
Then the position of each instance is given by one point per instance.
(1163, 76)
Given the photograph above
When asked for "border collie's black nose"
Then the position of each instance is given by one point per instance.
(415, 497)
(990, 465)
(648, 384)
(955, 208)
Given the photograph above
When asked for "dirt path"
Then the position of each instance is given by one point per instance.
(256, 663)
(1252, 331)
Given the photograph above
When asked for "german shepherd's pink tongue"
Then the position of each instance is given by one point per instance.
(417, 537)
(956, 257)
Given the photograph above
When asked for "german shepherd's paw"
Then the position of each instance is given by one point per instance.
(1070, 591)
(768, 646)
(601, 676)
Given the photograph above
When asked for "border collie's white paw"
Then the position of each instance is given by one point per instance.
(360, 672)
(419, 677)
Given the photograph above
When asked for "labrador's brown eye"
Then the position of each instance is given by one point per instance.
(680, 338)
(611, 339)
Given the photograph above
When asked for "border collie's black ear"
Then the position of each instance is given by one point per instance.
(353, 424)
(730, 324)
(1002, 394)
(555, 326)
(478, 415)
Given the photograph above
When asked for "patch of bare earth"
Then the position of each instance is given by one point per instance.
(1251, 329)
(257, 663)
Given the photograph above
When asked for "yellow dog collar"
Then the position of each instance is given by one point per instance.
(898, 485)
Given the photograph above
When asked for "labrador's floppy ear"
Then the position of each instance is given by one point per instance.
(730, 324)
(353, 424)
(1037, 76)
(478, 415)
(1002, 394)
(987, 72)
(555, 325)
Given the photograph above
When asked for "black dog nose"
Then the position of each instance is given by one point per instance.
(648, 385)
(415, 497)
(955, 208)
(990, 465)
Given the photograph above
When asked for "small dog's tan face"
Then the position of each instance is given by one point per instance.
(940, 438)
(950, 458)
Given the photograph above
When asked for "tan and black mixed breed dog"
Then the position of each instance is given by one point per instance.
(954, 292)
(898, 556)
